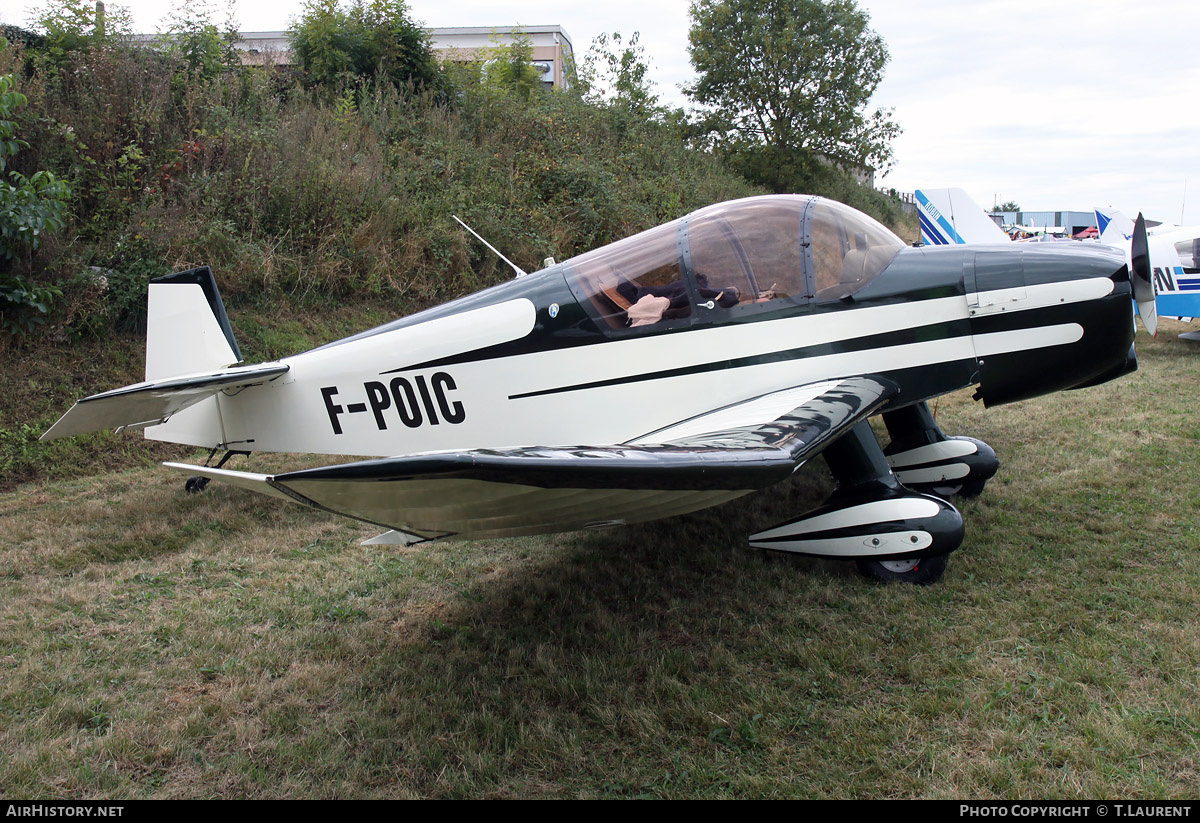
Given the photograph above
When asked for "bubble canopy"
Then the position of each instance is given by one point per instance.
(732, 259)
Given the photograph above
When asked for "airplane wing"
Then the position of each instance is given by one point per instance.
(482, 493)
(154, 401)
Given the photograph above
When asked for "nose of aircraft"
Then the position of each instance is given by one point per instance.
(1049, 317)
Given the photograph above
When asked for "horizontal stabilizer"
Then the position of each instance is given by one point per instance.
(480, 493)
(154, 401)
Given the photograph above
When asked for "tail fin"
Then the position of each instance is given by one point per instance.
(1115, 228)
(950, 216)
(190, 358)
(187, 329)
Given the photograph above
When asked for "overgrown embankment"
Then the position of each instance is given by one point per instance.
(319, 212)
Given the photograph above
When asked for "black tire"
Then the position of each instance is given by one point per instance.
(926, 570)
(972, 488)
(195, 485)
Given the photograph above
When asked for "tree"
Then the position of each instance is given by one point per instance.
(202, 48)
(615, 74)
(368, 39)
(1009, 205)
(787, 83)
(73, 26)
(509, 68)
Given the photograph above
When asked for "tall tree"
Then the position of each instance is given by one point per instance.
(786, 84)
(615, 74)
(509, 68)
(367, 39)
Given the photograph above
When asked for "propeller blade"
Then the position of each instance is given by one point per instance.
(1141, 277)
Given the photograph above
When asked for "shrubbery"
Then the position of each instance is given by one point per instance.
(29, 207)
(176, 156)
(363, 40)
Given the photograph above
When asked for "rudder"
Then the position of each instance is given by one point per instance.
(187, 328)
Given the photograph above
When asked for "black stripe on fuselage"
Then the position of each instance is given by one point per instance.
(901, 337)
(958, 373)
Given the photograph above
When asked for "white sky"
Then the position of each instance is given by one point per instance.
(1055, 105)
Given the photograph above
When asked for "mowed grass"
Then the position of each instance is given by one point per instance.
(158, 644)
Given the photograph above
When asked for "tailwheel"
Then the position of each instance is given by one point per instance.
(921, 571)
(195, 484)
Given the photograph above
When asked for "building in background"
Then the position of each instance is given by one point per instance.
(264, 48)
(553, 54)
(1067, 223)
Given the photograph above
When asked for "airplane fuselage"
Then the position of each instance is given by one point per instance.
(526, 362)
(674, 370)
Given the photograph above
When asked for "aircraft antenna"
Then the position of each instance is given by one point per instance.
(520, 271)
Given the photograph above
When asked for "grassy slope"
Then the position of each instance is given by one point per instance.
(41, 383)
(321, 214)
(158, 644)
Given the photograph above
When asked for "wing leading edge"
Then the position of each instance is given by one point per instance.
(485, 493)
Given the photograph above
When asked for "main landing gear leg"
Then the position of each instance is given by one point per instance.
(197, 484)
(894, 533)
(924, 458)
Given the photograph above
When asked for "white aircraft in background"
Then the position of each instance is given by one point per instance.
(1173, 257)
(1185, 239)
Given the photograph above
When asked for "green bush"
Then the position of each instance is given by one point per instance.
(29, 207)
(337, 44)
(340, 194)
(72, 27)
(24, 306)
(198, 50)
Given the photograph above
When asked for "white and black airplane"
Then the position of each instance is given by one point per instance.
(676, 369)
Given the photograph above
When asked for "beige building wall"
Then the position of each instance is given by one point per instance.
(553, 54)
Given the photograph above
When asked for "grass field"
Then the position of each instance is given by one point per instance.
(158, 644)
